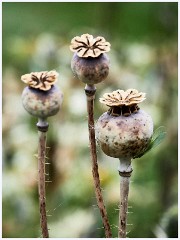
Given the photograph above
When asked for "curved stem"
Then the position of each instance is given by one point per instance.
(90, 93)
(125, 171)
(42, 127)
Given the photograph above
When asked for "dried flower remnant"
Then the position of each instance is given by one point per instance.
(41, 80)
(123, 102)
(88, 46)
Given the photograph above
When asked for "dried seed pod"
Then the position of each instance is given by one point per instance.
(125, 130)
(41, 98)
(90, 63)
(42, 104)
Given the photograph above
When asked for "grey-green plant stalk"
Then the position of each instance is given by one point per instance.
(125, 171)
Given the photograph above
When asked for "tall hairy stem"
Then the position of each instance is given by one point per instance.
(90, 94)
(42, 127)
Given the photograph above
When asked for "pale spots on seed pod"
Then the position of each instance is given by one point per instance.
(109, 128)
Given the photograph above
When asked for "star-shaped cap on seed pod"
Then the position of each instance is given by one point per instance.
(123, 98)
(40, 80)
(88, 46)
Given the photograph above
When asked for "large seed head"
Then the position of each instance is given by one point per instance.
(124, 137)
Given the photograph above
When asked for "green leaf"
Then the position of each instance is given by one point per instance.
(157, 137)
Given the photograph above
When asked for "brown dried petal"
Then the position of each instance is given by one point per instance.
(40, 80)
(120, 98)
(88, 46)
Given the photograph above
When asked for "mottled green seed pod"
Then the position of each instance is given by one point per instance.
(41, 98)
(124, 131)
(42, 104)
(90, 63)
(124, 137)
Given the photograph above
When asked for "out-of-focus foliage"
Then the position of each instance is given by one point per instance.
(36, 37)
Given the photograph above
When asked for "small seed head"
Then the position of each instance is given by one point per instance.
(42, 104)
(90, 70)
(90, 62)
(41, 98)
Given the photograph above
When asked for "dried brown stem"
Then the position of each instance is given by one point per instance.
(41, 179)
(90, 93)
(125, 171)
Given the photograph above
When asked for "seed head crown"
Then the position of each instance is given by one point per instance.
(40, 80)
(88, 46)
(123, 98)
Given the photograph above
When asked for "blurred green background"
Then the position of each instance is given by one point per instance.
(36, 37)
